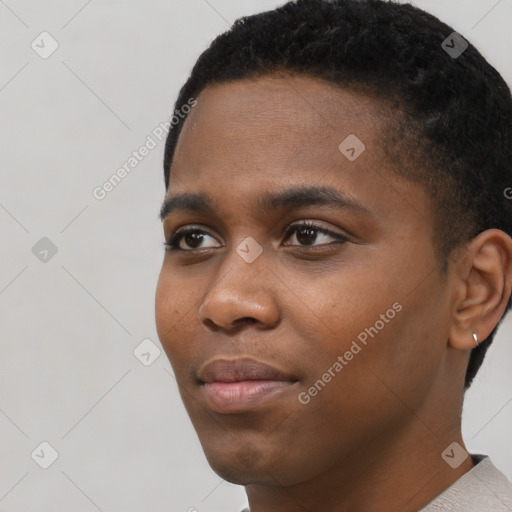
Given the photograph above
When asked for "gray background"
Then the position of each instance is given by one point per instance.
(69, 325)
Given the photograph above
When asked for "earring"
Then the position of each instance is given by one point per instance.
(475, 337)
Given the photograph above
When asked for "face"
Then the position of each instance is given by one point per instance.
(305, 256)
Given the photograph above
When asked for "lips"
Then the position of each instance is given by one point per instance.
(236, 370)
(238, 385)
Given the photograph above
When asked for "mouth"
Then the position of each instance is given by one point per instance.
(232, 386)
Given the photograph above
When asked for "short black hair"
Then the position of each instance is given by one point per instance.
(449, 116)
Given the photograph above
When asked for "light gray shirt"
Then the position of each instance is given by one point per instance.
(482, 489)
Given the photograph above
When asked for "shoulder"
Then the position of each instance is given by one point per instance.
(485, 487)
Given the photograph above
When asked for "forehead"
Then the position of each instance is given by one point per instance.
(274, 132)
(291, 118)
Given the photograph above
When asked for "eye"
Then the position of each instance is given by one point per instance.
(306, 233)
(191, 236)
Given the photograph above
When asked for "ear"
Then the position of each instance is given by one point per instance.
(482, 282)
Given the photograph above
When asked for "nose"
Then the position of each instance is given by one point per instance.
(240, 293)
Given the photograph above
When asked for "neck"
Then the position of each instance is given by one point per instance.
(404, 476)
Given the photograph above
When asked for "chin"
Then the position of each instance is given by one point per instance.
(239, 464)
(236, 472)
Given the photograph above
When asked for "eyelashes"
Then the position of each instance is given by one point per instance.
(175, 239)
(193, 235)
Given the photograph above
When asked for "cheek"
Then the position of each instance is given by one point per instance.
(170, 312)
(370, 318)
(419, 347)
(339, 308)
(172, 306)
(176, 316)
(162, 305)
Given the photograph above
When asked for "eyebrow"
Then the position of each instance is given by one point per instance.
(297, 197)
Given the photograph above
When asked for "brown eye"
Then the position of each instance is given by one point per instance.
(192, 237)
(307, 234)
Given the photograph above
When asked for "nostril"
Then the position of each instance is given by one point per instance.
(245, 320)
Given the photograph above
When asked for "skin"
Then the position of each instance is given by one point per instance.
(372, 438)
